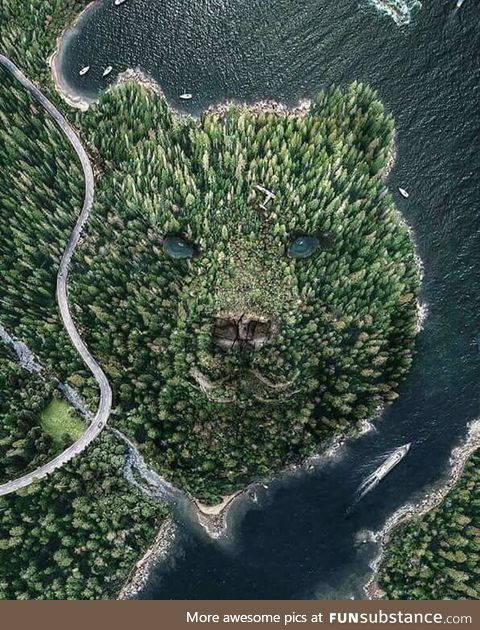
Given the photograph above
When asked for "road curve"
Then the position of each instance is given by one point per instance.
(105, 401)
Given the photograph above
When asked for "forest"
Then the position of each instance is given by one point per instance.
(23, 444)
(345, 316)
(78, 534)
(328, 263)
(437, 556)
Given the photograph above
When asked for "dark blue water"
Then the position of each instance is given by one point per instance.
(298, 541)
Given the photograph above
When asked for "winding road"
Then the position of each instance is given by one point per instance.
(105, 401)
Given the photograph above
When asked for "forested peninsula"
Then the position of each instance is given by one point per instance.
(242, 331)
(244, 280)
(437, 555)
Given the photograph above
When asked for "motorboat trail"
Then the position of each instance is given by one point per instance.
(374, 478)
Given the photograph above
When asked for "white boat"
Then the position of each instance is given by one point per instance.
(186, 96)
(107, 71)
(460, 3)
(382, 471)
(84, 70)
(119, 2)
(404, 193)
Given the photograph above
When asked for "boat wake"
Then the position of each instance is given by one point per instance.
(374, 478)
(399, 10)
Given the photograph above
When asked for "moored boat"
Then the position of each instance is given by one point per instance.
(404, 193)
(186, 96)
(119, 2)
(84, 70)
(107, 71)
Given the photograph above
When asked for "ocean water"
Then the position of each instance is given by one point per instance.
(299, 540)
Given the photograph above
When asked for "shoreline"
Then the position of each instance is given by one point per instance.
(216, 510)
(458, 459)
(77, 102)
(271, 106)
(214, 519)
(74, 100)
(140, 572)
(83, 103)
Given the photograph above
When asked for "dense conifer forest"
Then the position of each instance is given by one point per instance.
(344, 316)
(437, 556)
(77, 534)
(182, 240)
(23, 444)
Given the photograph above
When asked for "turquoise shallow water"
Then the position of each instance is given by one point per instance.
(297, 540)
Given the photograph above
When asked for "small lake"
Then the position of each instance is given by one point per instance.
(298, 541)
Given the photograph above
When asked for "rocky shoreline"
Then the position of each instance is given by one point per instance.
(457, 462)
(265, 106)
(140, 573)
(214, 519)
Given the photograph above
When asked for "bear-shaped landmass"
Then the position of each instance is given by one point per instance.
(246, 279)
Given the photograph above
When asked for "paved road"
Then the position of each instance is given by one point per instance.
(105, 402)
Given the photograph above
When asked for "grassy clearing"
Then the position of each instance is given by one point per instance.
(61, 422)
